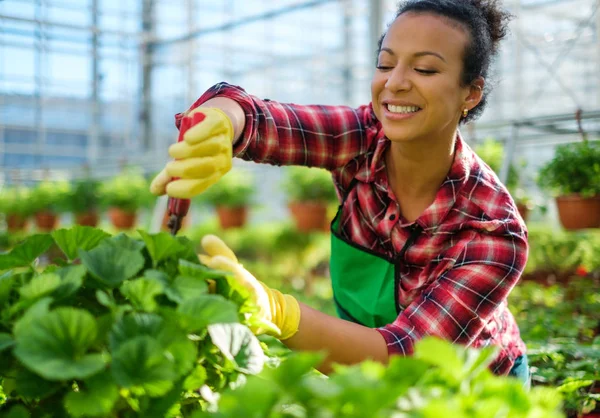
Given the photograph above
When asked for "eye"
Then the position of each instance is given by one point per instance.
(427, 72)
(384, 68)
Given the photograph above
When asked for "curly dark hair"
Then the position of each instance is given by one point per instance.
(486, 22)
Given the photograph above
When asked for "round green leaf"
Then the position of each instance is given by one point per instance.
(239, 345)
(5, 341)
(112, 265)
(190, 287)
(196, 378)
(96, 397)
(31, 386)
(40, 286)
(199, 312)
(78, 237)
(141, 293)
(161, 246)
(134, 325)
(17, 411)
(55, 345)
(71, 281)
(26, 252)
(142, 363)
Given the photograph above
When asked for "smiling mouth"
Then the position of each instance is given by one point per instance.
(402, 110)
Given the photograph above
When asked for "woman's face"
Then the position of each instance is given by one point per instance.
(416, 90)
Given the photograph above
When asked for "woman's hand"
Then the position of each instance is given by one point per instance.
(281, 313)
(201, 159)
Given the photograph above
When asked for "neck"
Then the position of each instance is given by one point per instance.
(417, 169)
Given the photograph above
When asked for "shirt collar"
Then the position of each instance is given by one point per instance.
(448, 192)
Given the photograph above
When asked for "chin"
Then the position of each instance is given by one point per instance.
(399, 135)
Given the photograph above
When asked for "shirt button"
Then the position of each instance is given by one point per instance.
(392, 217)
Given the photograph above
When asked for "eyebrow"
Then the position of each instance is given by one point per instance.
(417, 54)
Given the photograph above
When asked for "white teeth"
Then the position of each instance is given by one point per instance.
(403, 109)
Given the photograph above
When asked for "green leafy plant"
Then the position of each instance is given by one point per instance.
(573, 367)
(234, 189)
(575, 168)
(84, 196)
(441, 380)
(15, 201)
(125, 327)
(50, 196)
(309, 184)
(128, 191)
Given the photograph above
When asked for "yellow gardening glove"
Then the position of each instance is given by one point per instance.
(281, 310)
(202, 157)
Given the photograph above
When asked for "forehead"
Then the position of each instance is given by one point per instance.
(412, 32)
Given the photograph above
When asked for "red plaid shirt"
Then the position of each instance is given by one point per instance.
(459, 271)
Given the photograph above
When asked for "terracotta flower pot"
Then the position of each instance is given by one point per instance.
(576, 212)
(309, 216)
(16, 223)
(232, 217)
(87, 218)
(46, 220)
(122, 219)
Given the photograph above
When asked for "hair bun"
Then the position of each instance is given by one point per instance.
(497, 19)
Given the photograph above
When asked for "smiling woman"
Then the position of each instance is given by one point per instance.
(426, 241)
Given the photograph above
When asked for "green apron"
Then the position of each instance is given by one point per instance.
(365, 284)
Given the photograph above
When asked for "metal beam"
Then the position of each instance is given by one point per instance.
(375, 28)
(146, 82)
(62, 25)
(239, 23)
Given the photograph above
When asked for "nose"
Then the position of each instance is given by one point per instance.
(398, 80)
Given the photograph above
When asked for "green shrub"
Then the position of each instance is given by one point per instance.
(575, 168)
(562, 251)
(234, 189)
(15, 200)
(308, 184)
(84, 196)
(50, 196)
(128, 191)
(126, 327)
(441, 380)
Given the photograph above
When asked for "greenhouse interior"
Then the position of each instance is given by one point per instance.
(117, 300)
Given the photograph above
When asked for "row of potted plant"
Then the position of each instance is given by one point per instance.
(310, 192)
(122, 195)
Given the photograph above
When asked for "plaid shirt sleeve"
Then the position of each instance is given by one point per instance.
(459, 303)
(289, 134)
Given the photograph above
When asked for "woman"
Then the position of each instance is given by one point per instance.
(427, 241)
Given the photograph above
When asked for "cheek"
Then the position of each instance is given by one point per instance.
(376, 88)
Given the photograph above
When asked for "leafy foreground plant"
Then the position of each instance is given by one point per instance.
(441, 380)
(125, 328)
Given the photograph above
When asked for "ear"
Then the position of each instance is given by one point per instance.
(475, 93)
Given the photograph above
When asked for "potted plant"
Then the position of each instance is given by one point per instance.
(573, 176)
(230, 197)
(124, 195)
(48, 200)
(310, 191)
(15, 206)
(84, 201)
